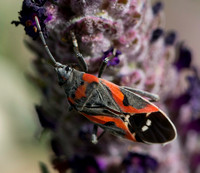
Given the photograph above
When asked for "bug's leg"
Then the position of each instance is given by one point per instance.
(105, 62)
(79, 56)
(153, 97)
(100, 136)
(103, 67)
(94, 138)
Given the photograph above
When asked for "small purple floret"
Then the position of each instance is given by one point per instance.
(184, 58)
(170, 38)
(27, 15)
(181, 100)
(195, 160)
(194, 125)
(114, 61)
(195, 92)
(86, 164)
(157, 33)
(157, 7)
(136, 162)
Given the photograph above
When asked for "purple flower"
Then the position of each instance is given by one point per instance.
(139, 163)
(194, 125)
(184, 57)
(61, 164)
(86, 164)
(29, 10)
(157, 7)
(115, 60)
(170, 38)
(86, 132)
(195, 162)
(181, 100)
(194, 90)
(157, 33)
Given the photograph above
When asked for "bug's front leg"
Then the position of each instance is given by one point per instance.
(94, 138)
(79, 56)
(153, 97)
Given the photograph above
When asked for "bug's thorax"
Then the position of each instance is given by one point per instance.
(81, 89)
(70, 80)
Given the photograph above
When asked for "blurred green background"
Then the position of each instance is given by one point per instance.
(20, 151)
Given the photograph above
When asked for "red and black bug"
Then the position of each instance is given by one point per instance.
(119, 110)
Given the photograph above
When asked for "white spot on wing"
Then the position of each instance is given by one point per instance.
(148, 123)
(144, 128)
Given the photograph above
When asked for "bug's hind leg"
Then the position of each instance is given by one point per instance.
(94, 138)
(79, 56)
(105, 62)
(151, 96)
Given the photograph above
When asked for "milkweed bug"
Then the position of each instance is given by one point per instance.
(119, 110)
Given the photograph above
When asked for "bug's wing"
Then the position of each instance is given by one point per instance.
(113, 124)
(146, 122)
(154, 127)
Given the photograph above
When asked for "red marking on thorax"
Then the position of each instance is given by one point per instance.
(102, 119)
(90, 78)
(119, 97)
(81, 91)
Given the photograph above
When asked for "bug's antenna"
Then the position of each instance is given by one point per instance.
(44, 42)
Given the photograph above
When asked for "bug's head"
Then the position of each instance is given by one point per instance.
(63, 72)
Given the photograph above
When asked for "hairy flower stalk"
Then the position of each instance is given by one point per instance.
(147, 58)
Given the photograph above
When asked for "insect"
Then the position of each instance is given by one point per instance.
(120, 110)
